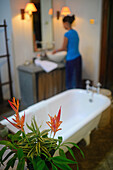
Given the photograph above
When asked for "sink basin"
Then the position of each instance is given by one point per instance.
(57, 57)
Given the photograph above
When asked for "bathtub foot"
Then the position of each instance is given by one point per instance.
(87, 139)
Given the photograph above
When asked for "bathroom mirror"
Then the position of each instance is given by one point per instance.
(42, 25)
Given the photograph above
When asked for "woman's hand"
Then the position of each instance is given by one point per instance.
(64, 46)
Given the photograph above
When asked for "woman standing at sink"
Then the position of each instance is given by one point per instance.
(73, 58)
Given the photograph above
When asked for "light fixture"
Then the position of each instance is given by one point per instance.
(30, 7)
(65, 11)
(50, 11)
(58, 14)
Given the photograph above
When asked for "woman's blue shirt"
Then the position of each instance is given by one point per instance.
(73, 45)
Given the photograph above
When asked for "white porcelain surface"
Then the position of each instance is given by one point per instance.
(79, 115)
(57, 57)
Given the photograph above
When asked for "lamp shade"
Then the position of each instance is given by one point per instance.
(30, 7)
(65, 11)
(50, 11)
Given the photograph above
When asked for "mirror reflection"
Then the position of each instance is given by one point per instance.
(42, 25)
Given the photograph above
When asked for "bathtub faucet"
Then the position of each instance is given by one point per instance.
(92, 88)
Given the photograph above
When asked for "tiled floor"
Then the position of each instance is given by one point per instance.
(99, 154)
(107, 162)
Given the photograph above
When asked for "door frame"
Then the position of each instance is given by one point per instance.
(104, 41)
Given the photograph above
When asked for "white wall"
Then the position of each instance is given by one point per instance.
(20, 35)
(22, 38)
(90, 35)
(46, 22)
(57, 24)
(20, 41)
(5, 13)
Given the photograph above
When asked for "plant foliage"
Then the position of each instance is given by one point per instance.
(37, 148)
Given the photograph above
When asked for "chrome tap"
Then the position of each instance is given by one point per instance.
(98, 87)
(92, 88)
(50, 45)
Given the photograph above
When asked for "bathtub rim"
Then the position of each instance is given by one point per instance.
(89, 118)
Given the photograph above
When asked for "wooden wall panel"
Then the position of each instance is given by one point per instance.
(104, 41)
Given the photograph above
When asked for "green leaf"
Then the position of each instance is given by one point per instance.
(29, 127)
(10, 136)
(44, 132)
(71, 152)
(34, 162)
(21, 164)
(23, 134)
(45, 150)
(2, 152)
(30, 152)
(33, 127)
(20, 154)
(21, 159)
(45, 167)
(62, 166)
(16, 137)
(7, 156)
(54, 167)
(17, 134)
(62, 160)
(59, 142)
(11, 162)
(44, 155)
(36, 126)
(8, 144)
(60, 139)
(40, 165)
(62, 153)
(76, 147)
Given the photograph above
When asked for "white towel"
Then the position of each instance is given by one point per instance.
(46, 65)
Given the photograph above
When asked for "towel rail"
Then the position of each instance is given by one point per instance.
(8, 61)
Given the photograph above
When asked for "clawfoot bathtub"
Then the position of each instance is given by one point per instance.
(79, 115)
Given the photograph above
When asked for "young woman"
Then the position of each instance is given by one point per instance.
(73, 58)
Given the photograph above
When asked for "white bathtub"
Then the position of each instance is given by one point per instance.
(79, 115)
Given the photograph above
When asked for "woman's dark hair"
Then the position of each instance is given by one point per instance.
(69, 19)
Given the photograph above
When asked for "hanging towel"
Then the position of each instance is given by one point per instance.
(47, 66)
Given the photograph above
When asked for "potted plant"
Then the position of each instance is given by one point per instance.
(37, 147)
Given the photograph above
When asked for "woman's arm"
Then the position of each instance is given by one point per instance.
(64, 46)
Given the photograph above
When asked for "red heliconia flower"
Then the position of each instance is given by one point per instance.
(19, 123)
(55, 122)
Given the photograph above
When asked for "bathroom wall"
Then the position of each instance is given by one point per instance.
(20, 35)
(46, 22)
(90, 34)
(5, 13)
(22, 38)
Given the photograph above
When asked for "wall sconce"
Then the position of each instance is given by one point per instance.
(30, 7)
(50, 11)
(65, 11)
(58, 14)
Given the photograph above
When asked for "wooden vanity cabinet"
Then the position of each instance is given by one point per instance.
(36, 84)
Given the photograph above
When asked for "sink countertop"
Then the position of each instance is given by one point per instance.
(32, 68)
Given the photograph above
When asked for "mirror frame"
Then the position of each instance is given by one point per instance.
(49, 43)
